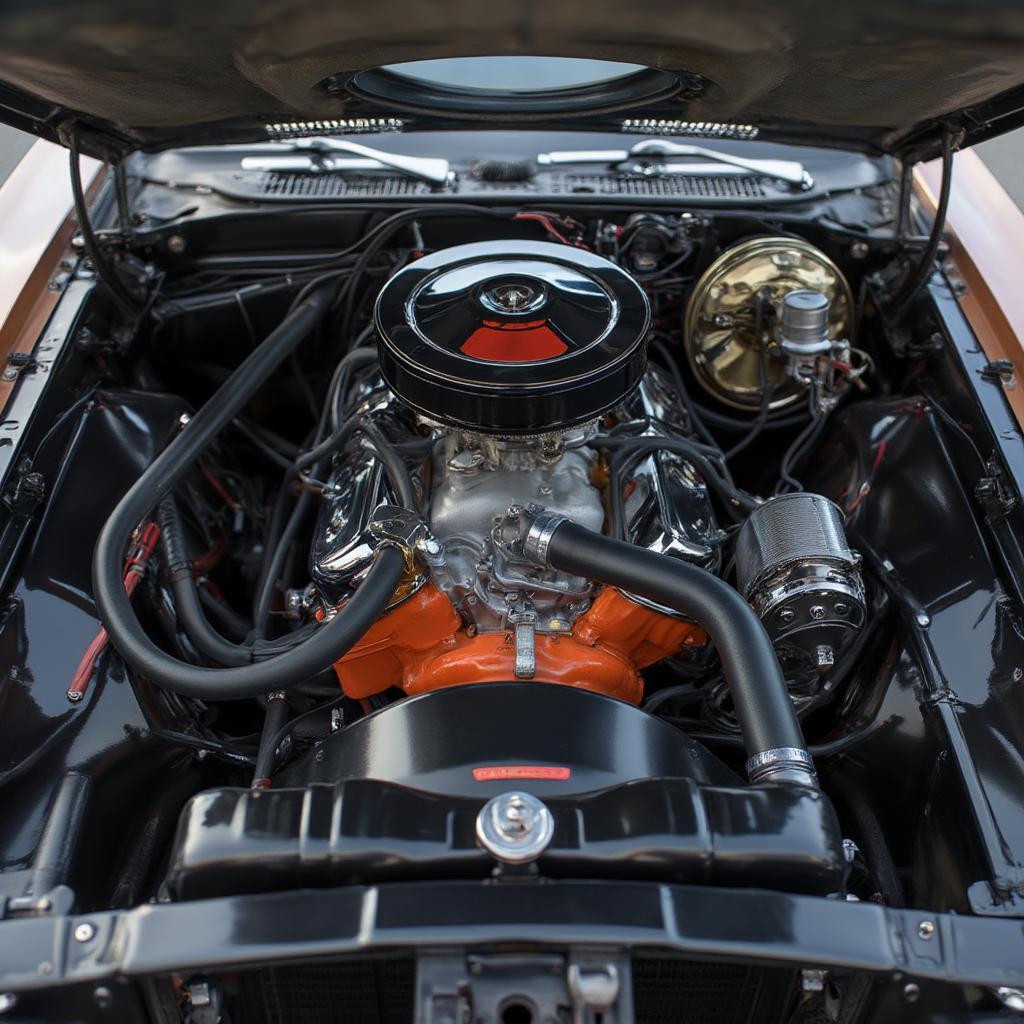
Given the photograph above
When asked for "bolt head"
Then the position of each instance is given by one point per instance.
(786, 616)
(428, 546)
(84, 932)
(176, 244)
(817, 611)
(911, 992)
(8, 1000)
(926, 929)
(923, 620)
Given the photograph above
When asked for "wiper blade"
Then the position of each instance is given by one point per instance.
(789, 171)
(323, 155)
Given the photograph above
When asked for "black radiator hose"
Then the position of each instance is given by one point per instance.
(771, 733)
(326, 646)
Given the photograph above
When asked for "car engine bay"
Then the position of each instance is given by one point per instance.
(511, 541)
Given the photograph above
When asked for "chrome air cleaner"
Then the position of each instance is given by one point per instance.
(513, 337)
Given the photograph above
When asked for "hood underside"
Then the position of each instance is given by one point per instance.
(877, 75)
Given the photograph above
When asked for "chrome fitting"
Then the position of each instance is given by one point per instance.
(782, 764)
(393, 526)
(523, 534)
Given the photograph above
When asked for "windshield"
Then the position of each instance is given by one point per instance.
(513, 74)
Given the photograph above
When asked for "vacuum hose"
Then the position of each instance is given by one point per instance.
(771, 734)
(326, 646)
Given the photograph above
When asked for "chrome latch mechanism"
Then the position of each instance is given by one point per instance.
(393, 526)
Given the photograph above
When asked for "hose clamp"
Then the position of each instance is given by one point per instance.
(782, 764)
(393, 526)
(538, 537)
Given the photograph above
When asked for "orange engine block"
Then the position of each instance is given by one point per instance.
(422, 645)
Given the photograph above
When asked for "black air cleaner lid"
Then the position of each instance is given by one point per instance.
(512, 337)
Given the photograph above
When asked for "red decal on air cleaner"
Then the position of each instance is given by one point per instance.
(499, 772)
(514, 342)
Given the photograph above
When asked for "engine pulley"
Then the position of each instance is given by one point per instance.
(512, 337)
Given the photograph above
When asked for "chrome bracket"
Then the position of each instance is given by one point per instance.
(523, 618)
(393, 526)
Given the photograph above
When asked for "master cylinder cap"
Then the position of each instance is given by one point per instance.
(512, 337)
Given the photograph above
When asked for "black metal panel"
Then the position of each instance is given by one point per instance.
(744, 925)
(434, 742)
(950, 773)
(47, 622)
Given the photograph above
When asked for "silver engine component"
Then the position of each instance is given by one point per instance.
(803, 337)
(343, 550)
(803, 328)
(478, 477)
(475, 478)
(794, 566)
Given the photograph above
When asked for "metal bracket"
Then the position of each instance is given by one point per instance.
(998, 371)
(523, 534)
(26, 492)
(522, 616)
(994, 496)
(587, 985)
(391, 525)
(17, 364)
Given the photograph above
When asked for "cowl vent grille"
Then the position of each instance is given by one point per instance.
(335, 186)
(697, 186)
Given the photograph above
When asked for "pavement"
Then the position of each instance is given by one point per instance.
(1004, 156)
(13, 146)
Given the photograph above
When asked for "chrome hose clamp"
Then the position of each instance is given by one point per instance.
(782, 764)
(538, 537)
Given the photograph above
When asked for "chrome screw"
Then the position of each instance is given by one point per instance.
(926, 929)
(84, 932)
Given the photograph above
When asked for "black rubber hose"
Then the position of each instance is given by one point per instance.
(233, 625)
(394, 468)
(763, 709)
(326, 646)
(274, 721)
(737, 503)
(268, 587)
(926, 264)
(872, 838)
(186, 598)
(104, 271)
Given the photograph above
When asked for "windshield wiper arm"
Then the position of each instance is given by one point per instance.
(322, 154)
(789, 171)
